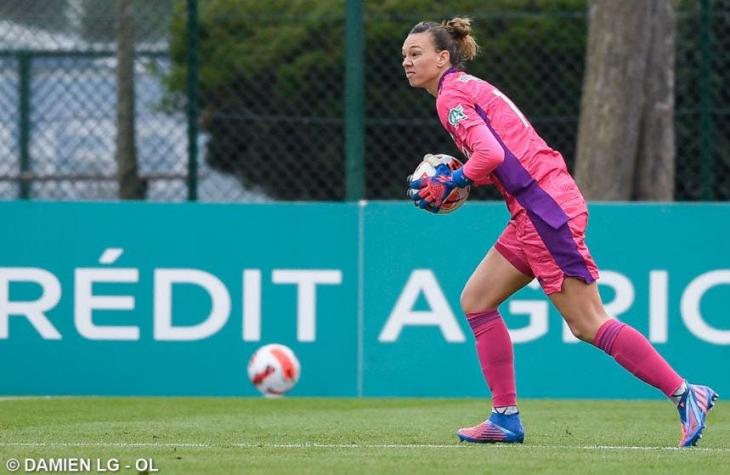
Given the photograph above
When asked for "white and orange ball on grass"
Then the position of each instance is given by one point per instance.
(273, 369)
(427, 167)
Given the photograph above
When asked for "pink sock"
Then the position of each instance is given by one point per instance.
(634, 352)
(494, 349)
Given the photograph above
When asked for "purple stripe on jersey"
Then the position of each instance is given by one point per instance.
(545, 213)
(519, 183)
(562, 247)
(451, 70)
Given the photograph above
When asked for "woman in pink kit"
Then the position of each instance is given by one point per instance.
(544, 239)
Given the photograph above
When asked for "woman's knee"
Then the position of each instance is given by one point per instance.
(586, 328)
(472, 301)
(581, 331)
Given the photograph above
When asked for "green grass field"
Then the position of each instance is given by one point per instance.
(226, 435)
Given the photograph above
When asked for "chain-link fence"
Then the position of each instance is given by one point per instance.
(270, 88)
(702, 109)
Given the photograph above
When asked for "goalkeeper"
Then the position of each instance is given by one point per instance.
(544, 239)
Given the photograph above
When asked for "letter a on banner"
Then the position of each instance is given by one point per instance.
(440, 315)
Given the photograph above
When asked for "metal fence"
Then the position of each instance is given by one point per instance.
(303, 100)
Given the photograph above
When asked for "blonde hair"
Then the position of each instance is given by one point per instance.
(453, 36)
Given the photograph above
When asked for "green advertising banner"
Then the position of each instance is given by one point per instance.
(663, 271)
(172, 299)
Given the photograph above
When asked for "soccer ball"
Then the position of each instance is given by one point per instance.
(427, 167)
(273, 369)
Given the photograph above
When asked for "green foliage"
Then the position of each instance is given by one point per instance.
(701, 75)
(32, 13)
(272, 84)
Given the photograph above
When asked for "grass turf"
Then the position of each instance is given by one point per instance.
(297, 435)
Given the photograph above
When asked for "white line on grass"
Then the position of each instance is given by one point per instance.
(458, 446)
(108, 444)
(246, 445)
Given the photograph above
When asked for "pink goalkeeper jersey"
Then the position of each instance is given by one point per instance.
(502, 148)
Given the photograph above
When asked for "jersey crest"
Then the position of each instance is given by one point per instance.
(456, 115)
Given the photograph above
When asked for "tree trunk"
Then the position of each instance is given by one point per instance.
(625, 134)
(654, 178)
(130, 185)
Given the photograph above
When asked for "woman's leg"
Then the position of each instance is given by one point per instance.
(491, 283)
(581, 307)
(567, 273)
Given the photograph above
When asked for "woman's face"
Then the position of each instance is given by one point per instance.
(422, 64)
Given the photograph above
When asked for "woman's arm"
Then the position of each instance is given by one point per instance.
(484, 151)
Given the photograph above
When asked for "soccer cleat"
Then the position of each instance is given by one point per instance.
(498, 428)
(693, 407)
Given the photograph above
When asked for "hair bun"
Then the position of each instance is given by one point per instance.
(458, 27)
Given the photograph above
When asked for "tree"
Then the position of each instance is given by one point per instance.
(625, 148)
(97, 18)
(130, 184)
(272, 81)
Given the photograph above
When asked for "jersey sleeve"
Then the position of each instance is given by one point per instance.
(485, 155)
(460, 118)
(456, 111)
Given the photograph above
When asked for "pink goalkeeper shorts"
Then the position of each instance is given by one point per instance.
(549, 254)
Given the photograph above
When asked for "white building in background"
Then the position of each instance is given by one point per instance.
(73, 124)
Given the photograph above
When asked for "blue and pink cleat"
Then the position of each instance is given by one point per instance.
(498, 428)
(693, 407)
(696, 402)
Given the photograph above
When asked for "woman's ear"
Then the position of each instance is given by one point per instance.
(443, 59)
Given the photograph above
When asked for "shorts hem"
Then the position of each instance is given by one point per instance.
(516, 262)
(553, 289)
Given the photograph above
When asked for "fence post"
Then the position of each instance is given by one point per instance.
(24, 60)
(354, 93)
(192, 90)
(706, 122)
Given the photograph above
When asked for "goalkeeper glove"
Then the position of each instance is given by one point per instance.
(430, 192)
